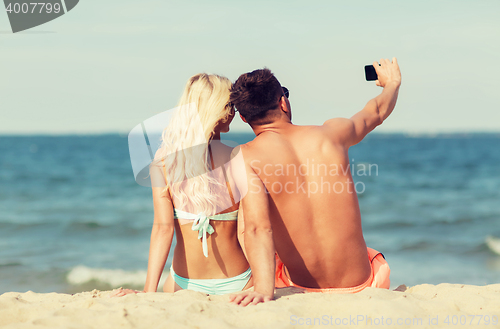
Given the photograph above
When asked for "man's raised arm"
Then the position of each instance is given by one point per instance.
(352, 131)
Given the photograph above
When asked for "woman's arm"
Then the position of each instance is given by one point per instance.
(162, 232)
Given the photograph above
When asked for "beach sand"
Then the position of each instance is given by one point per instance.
(422, 306)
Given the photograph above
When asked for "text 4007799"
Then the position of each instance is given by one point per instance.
(31, 7)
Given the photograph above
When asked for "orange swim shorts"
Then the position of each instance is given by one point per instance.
(379, 277)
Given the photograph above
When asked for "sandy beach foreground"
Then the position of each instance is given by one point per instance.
(422, 306)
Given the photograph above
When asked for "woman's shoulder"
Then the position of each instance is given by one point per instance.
(223, 151)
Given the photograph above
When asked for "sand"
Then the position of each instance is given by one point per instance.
(422, 306)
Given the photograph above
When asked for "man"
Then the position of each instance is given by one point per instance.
(301, 199)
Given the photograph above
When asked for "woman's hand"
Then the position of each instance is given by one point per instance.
(122, 292)
(249, 298)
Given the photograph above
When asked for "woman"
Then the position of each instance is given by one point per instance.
(193, 197)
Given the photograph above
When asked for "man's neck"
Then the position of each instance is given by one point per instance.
(278, 126)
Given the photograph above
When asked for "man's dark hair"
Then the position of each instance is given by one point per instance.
(255, 93)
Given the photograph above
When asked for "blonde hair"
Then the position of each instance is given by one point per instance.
(184, 148)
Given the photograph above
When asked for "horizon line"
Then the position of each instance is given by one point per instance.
(123, 134)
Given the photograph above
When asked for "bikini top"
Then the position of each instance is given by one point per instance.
(201, 223)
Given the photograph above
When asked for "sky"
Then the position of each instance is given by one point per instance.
(106, 66)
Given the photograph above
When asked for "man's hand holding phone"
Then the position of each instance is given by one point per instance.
(387, 72)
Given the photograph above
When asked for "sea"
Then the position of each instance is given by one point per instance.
(73, 218)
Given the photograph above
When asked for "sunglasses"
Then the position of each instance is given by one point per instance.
(286, 92)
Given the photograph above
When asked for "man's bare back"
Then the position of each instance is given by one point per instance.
(313, 206)
(301, 199)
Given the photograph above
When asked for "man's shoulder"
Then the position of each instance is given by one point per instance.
(337, 123)
(315, 134)
(338, 129)
(249, 149)
(255, 144)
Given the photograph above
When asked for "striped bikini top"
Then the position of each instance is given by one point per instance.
(201, 223)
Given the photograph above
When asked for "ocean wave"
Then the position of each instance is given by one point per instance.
(76, 226)
(419, 245)
(449, 247)
(493, 244)
(27, 225)
(7, 264)
(423, 222)
(52, 224)
(126, 229)
(90, 225)
(80, 275)
(390, 225)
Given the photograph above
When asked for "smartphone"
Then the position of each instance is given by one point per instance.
(370, 73)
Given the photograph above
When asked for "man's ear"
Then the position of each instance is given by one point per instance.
(242, 118)
(284, 105)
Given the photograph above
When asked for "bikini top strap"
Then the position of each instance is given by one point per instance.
(201, 223)
(233, 215)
